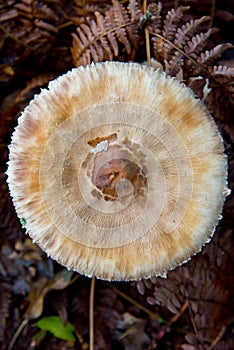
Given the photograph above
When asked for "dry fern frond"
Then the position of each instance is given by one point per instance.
(223, 71)
(205, 284)
(101, 39)
(208, 57)
(86, 8)
(220, 100)
(197, 43)
(187, 31)
(29, 23)
(170, 25)
(180, 47)
(224, 75)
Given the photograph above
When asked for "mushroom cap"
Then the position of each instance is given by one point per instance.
(118, 171)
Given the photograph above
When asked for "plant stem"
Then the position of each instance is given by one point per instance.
(17, 333)
(91, 315)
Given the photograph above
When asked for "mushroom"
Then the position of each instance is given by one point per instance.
(117, 171)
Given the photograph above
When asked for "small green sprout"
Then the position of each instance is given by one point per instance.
(22, 221)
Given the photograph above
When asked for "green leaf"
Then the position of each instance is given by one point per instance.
(54, 325)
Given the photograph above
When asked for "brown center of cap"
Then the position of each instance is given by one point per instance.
(118, 178)
(116, 171)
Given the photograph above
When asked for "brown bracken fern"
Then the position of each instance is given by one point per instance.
(101, 38)
(203, 285)
(29, 23)
(179, 48)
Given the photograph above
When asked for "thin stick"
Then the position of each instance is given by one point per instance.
(147, 43)
(218, 338)
(134, 302)
(147, 38)
(174, 319)
(91, 315)
(212, 13)
(180, 313)
(181, 51)
(17, 333)
(193, 321)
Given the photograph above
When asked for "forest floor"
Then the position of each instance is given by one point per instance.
(193, 307)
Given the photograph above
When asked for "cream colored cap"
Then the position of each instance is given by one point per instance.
(118, 171)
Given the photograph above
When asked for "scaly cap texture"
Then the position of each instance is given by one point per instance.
(118, 171)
